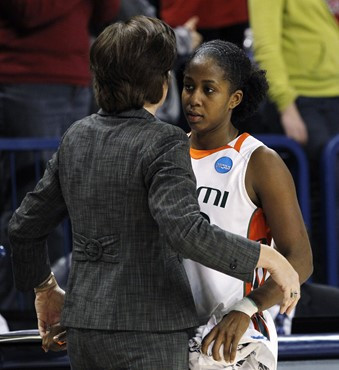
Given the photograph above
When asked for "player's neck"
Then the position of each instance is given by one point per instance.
(212, 139)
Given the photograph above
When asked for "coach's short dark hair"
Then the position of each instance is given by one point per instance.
(130, 62)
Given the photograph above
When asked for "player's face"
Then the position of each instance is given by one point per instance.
(206, 98)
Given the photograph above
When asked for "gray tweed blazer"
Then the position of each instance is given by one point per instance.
(127, 184)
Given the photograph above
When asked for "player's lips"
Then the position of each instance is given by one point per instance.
(193, 116)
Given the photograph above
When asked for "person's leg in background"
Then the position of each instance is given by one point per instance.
(43, 110)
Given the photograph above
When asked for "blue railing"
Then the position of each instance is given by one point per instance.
(34, 145)
(302, 346)
(22, 350)
(42, 149)
(329, 191)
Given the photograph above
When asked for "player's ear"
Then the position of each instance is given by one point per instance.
(236, 98)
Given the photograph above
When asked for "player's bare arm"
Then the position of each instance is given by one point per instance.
(270, 185)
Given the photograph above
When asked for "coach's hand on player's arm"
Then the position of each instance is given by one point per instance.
(284, 275)
(228, 333)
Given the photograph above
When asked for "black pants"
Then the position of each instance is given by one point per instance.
(120, 350)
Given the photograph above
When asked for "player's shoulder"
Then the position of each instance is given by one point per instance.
(265, 154)
(265, 161)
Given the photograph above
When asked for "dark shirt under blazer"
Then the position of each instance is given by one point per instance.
(127, 184)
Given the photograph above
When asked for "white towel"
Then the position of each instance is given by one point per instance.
(255, 351)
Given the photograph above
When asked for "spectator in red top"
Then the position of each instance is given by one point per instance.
(45, 83)
(218, 19)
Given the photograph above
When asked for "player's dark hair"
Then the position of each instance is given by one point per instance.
(240, 72)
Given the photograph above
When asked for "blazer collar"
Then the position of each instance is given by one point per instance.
(133, 113)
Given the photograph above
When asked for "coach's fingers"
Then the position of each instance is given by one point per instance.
(288, 305)
(55, 339)
(61, 340)
(42, 326)
(291, 298)
(282, 272)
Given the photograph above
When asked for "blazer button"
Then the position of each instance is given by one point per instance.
(233, 265)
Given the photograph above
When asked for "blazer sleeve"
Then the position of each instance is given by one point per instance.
(39, 213)
(174, 206)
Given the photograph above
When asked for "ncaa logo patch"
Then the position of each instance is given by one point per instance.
(223, 165)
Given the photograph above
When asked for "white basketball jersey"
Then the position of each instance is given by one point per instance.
(224, 201)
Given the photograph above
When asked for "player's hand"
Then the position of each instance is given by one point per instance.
(228, 333)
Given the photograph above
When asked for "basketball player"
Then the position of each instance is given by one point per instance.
(244, 187)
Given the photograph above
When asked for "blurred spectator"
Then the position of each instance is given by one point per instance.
(297, 42)
(44, 84)
(334, 7)
(218, 19)
(188, 39)
(186, 33)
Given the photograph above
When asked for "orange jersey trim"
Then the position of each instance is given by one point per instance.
(258, 230)
(240, 140)
(199, 154)
(202, 153)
